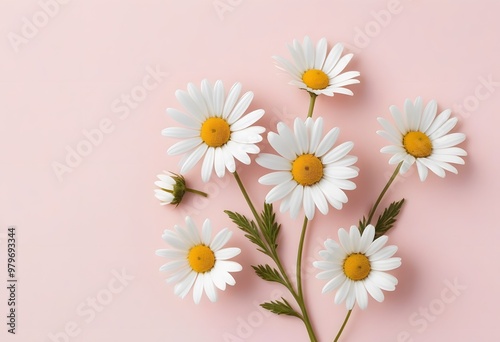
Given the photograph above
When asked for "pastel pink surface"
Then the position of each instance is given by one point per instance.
(78, 231)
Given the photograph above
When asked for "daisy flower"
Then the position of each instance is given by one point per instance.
(308, 172)
(421, 137)
(198, 261)
(215, 127)
(316, 72)
(357, 266)
(172, 188)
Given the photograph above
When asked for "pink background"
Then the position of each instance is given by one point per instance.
(76, 232)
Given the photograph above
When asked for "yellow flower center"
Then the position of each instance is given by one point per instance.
(417, 144)
(357, 267)
(215, 132)
(315, 79)
(307, 169)
(201, 258)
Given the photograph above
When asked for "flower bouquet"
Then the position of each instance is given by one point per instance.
(310, 171)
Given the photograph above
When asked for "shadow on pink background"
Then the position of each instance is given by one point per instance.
(83, 88)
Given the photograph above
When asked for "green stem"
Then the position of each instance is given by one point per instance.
(273, 254)
(198, 192)
(247, 198)
(311, 104)
(343, 325)
(384, 190)
(301, 300)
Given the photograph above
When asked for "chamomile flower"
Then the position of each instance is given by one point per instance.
(309, 172)
(421, 137)
(215, 128)
(316, 72)
(357, 267)
(172, 188)
(199, 262)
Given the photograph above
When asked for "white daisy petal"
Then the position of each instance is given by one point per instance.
(247, 120)
(438, 122)
(386, 265)
(428, 116)
(212, 120)
(333, 283)
(221, 239)
(193, 158)
(180, 132)
(295, 182)
(328, 141)
(209, 287)
(273, 162)
(218, 97)
(193, 107)
(240, 108)
(320, 54)
(227, 253)
(230, 266)
(228, 159)
(208, 96)
(422, 138)
(343, 291)
(301, 135)
(218, 278)
(189, 121)
(184, 146)
(190, 262)
(307, 57)
(237, 152)
(280, 191)
(219, 165)
(374, 290)
(383, 280)
(179, 275)
(198, 287)
(208, 164)
(231, 100)
(309, 207)
(315, 135)
(206, 233)
(384, 253)
(319, 199)
(280, 145)
(170, 253)
(333, 57)
(296, 200)
(361, 295)
(182, 288)
(275, 178)
(367, 239)
(172, 265)
(355, 274)
(376, 245)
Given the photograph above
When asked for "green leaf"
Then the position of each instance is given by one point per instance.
(269, 274)
(362, 224)
(388, 218)
(270, 228)
(281, 308)
(250, 229)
